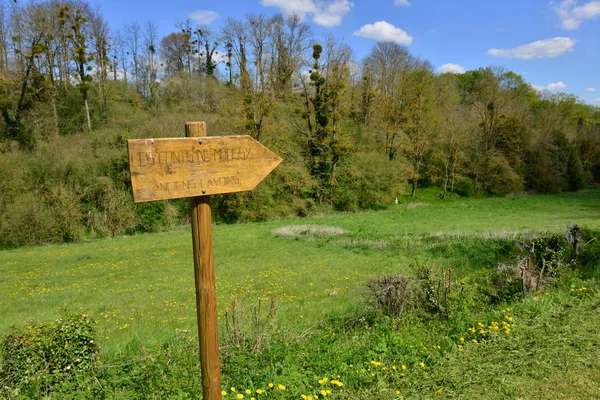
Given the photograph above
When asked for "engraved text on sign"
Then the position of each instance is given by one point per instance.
(187, 167)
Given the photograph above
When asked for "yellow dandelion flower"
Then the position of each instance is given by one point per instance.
(232, 389)
(270, 385)
(248, 391)
(403, 367)
(397, 392)
(281, 387)
(422, 364)
(260, 391)
(240, 396)
(324, 393)
(223, 392)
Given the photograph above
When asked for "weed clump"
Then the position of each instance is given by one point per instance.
(428, 293)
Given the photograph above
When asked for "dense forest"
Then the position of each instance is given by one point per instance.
(354, 134)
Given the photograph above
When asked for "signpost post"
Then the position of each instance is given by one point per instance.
(197, 167)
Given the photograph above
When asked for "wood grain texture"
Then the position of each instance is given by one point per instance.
(174, 168)
(206, 299)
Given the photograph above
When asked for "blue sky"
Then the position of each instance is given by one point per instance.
(553, 44)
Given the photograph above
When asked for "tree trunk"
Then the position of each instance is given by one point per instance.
(55, 114)
(453, 176)
(87, 113)
(446, 178)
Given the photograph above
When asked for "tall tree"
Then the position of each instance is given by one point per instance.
(235, 35)
(289, 38)
(389, 64)
(174, 53)
(100, 36)
(149, 63)
(79, 22)
(28, 45)
(493, 101)
(451, 143)
(419, 122)
(133, 38)
(323, 94)
(206, 48)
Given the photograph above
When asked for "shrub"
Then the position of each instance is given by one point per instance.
(150, 216)
(551, 252)
(589, 251)
(34, 359)
(391, 294)
(539, 262)
(429, 293)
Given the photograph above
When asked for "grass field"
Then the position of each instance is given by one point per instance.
(140, 289)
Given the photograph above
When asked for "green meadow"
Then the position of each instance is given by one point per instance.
(140, 291)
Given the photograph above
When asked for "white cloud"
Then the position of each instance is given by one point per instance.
(203, 17)
(596, 100)
(590, 89)
(331, 14)
(323, 13)
(403, 3)
(551, 87)
(289, 7)
(453, 68)
(546, 48)
(573, 15)
(384, 32)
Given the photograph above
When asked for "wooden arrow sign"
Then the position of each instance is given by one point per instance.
(174, 168)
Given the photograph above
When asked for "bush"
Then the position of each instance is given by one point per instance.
(538, 263)
(391, 294)
(551, 252)
(150, 216)
(589, 251)
(35, 359)
(429, 294)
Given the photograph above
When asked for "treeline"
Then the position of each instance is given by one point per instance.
(354, 134)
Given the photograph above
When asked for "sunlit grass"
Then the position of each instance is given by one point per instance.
(140, 289)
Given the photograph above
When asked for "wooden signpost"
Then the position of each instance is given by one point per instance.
(198, 166)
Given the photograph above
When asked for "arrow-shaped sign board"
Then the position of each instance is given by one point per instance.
(198, 166)
(174, 168)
